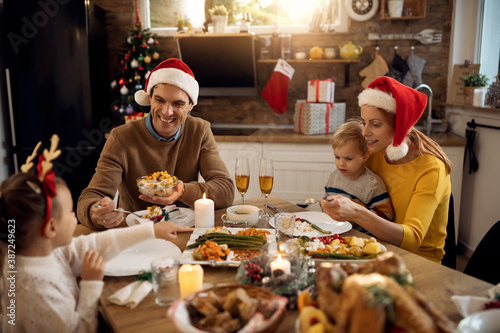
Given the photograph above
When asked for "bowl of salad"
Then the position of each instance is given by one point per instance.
(157, 184)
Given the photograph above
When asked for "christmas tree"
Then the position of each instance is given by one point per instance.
(137, 58)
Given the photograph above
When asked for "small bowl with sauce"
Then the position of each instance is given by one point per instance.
(240, 213)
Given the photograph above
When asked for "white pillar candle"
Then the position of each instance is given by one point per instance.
(204, 213)
(190, 279)
(280, 264)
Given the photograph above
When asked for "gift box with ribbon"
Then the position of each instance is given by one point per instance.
(320, 91)
(134, 116)
(318, 118)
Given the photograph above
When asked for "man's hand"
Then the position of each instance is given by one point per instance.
(102, 212)
(168, 200)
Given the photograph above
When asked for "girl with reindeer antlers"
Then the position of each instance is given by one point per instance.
(38, 249)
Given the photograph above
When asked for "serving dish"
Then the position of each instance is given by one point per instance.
(323, 221)
(187, 255)
(179, 314)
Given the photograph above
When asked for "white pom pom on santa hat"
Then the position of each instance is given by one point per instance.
(171, 71)
(408, 104)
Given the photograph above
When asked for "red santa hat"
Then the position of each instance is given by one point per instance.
(171, 71)
(406, 103)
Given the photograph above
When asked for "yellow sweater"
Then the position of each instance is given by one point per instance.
(420, 193)
(131, 152)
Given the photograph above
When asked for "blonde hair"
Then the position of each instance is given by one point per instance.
(350, 131)
(423, 143)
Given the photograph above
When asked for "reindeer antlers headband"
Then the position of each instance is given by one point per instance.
(45, 173)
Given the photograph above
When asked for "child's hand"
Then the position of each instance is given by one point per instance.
(92, 266)
(168, 230)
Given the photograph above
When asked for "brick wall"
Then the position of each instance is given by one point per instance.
(254, 110)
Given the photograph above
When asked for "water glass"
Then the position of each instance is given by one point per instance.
(284, 225)
(164, 273)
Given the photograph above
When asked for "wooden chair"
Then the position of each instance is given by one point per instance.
(450, 244)
(483, 264)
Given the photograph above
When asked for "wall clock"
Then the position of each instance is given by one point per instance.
(361, 10)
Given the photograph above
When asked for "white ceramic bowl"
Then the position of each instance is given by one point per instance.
(156, 187)
(240, 213)
(487, 321)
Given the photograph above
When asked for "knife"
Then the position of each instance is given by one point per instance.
(276, 208)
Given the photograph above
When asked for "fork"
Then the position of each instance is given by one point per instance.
(121, 211)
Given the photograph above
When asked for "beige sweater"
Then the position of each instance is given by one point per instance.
(131, 152)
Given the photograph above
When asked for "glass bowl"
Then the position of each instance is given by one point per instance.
(158, 184)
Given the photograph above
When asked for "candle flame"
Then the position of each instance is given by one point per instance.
(204, 195)
(279, 257)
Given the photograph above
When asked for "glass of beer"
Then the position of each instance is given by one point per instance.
(242, 176)
(266, 178)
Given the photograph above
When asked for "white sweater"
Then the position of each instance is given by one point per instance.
(47, 296)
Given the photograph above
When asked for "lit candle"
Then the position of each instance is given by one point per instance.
(190, 279)
(204, 213)
(282, 265)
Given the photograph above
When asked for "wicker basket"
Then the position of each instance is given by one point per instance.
(267, 326)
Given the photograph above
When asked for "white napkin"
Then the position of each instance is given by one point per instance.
(132, 294)
(468, 305)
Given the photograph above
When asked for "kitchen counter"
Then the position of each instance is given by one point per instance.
(289, 136)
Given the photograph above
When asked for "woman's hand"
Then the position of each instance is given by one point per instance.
(168, 230)
(92, 266)
(168, 200)
(104, 215)
(340, 208)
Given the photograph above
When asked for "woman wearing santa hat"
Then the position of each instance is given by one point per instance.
(168, 139)
(414, 168)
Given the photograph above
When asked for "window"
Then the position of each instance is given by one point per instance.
(165, 17)
(489, 51)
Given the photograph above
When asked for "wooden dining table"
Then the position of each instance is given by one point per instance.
(436, 282)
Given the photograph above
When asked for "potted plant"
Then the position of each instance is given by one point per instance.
(219, 15)
(472, 82)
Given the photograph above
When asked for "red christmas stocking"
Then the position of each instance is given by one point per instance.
(276, 89)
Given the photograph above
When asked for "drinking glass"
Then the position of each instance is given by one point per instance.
(266, 178)
(242, 176)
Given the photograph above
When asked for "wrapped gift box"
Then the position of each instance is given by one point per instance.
(320, 91)
(135, 116)
(318, 118)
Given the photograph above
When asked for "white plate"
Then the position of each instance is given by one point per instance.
(139, 257)
(187, 255)
(323, 221)
(187, 221)
(487, 321)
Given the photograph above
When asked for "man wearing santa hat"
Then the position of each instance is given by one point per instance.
(414, 168)
(168, 139)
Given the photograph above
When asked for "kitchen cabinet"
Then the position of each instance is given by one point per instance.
(229, 151)
(301, 170)
(412, 10)
(456, 156)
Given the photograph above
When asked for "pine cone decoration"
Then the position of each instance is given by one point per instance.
(493, 94)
